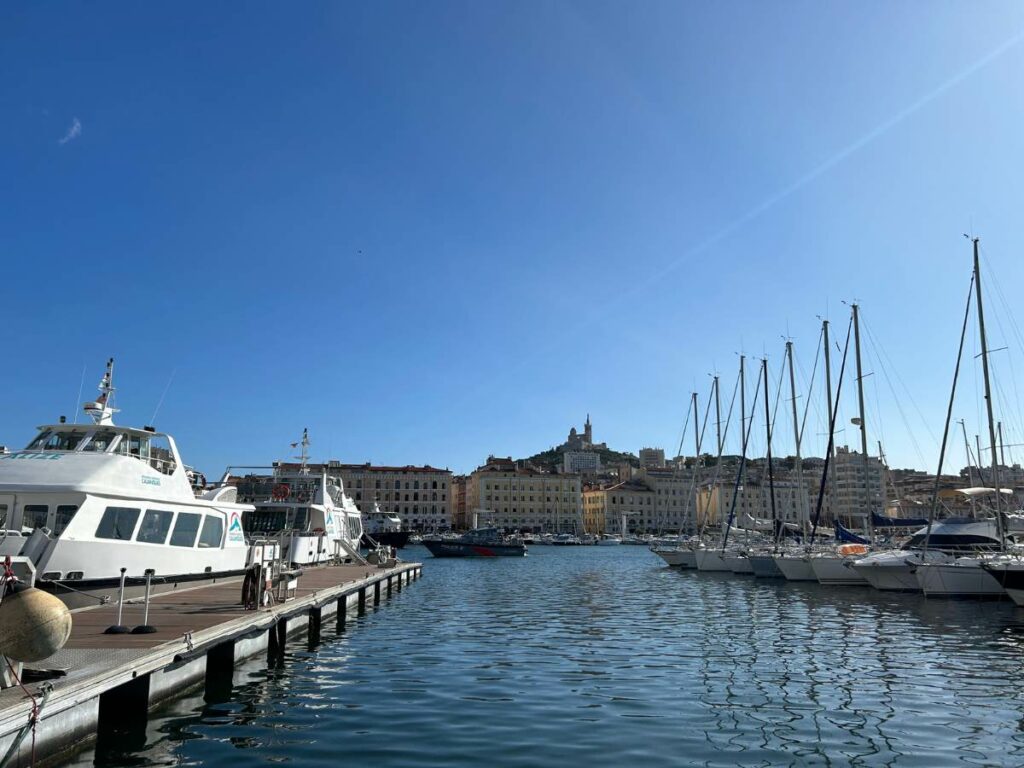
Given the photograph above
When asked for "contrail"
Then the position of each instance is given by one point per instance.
(801, 182)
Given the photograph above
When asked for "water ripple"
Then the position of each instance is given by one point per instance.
(603, 656)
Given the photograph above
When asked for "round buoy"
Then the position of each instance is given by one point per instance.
(33, 625)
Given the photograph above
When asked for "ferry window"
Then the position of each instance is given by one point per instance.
(34, 516)
(3, 516)
(59, 441)
(101, 441)
(160, 456)
(39, 441)
(185, 529)
(138, 446)
(213, 532)
(63, 517)
(155, 525)
(117, 523)
(298, 518)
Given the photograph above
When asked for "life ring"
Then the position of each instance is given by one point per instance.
(280, 492)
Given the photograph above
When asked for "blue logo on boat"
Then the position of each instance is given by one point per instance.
(150, 480)
(236, 524)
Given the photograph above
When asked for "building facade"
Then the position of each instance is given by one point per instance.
(521, 498)
(420, 496)
(581, 463)
(652, 458)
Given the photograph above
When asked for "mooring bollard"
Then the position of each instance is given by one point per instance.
(119, 628)
(144, 628)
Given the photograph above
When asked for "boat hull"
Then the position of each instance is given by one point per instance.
(764, 567)
(957, 580)
(674, 558)
(738, 564)
(396, 539)
(837, 571)
(795, 567)
(711, 560)
(462, 549)
(1010, 576)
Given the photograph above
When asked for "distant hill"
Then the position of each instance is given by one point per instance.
(551, 459)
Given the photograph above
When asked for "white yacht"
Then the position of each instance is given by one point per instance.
(380, 527)
(84, 501)
(311, 514)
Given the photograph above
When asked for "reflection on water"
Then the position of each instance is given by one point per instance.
(601, 655)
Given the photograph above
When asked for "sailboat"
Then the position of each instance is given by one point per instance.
(834, 566)
(965, 576)
(794, 562)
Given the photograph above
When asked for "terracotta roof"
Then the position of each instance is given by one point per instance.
(333, 465)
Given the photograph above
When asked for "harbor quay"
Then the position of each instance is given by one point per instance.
(100, 685)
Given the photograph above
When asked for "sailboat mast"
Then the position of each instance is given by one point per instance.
(743, 401)
(828, 405)
(768, 433)
(718, 416)
(863, 422)
(803, 511)
(696, 460)
(988, 397)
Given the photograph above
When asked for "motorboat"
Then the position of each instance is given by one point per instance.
(1008, 572)
(89, 503)
(895, 569)
(383, 528)
(609, 540)
(479, 542)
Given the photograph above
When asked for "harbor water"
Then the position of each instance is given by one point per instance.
(603, 656)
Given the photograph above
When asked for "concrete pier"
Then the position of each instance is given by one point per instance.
(109, 682)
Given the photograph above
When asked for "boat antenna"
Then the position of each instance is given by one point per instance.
(81, 386)
(100, 410)
(949, 416)
(303, 456)
(161, 401)
(831, 436)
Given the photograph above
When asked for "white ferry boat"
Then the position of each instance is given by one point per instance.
(84, 501)
(312, 516)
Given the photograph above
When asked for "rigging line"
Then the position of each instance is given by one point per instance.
(884, 355)
(161, 402)
(691, 493)
(873, 350)
(949, 417)
(831, 437)
(742, 468)
(778, 394)
(686, 423)
(1007, 310)
(721, 447)
(810, 388)
(78, 402)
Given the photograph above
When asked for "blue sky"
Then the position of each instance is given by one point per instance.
(434, 231)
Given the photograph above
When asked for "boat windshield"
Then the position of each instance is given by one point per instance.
(57, 440)
(275, 519)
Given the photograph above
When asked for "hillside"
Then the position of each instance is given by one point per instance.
(551, 459)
